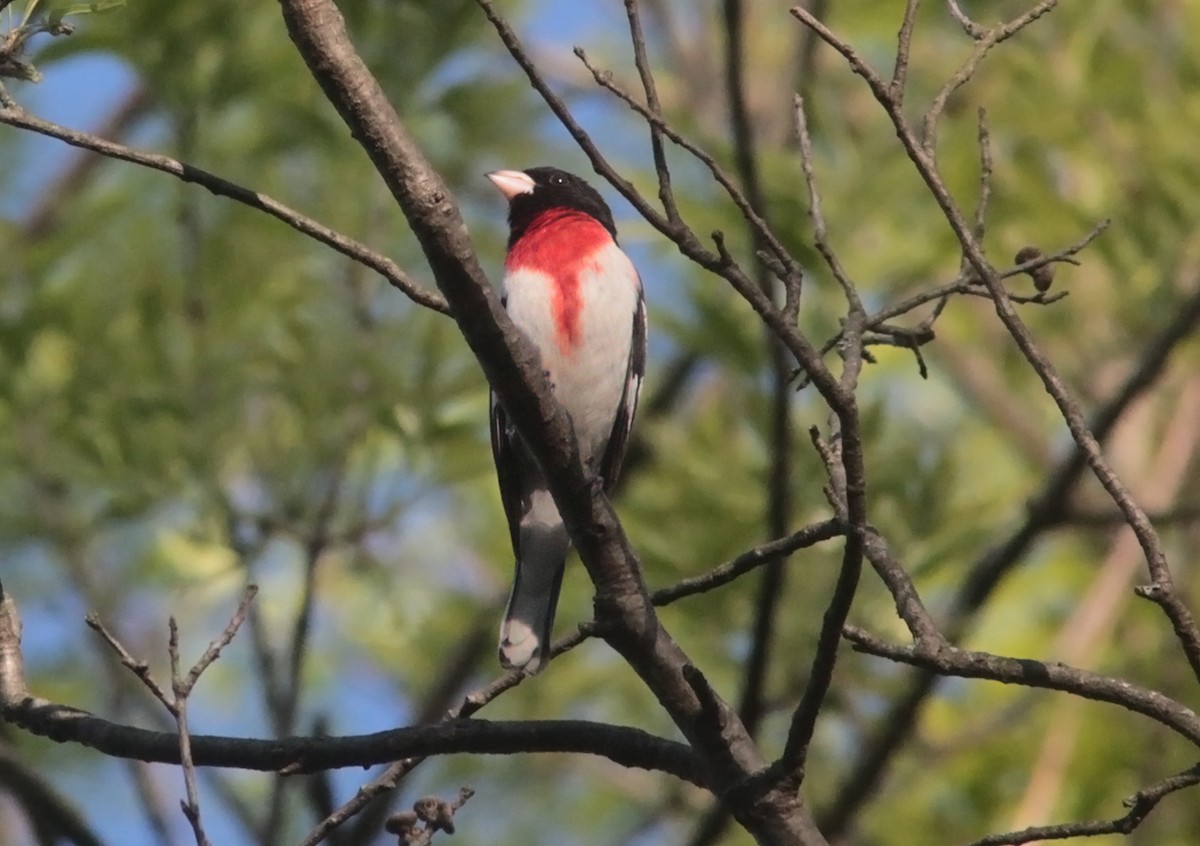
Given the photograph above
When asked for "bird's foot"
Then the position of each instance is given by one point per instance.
(594, 479)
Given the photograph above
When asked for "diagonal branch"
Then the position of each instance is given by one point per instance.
(971, 664)
(1162, 590)
(1140, 805)
(747, 561)
(1045, 513)
(640, 60)
(13, 115)
(984, 43)
(623, 608)
(752, 215)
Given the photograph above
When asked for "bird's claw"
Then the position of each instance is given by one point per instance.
(594, 479)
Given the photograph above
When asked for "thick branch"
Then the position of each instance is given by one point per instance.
(623, 607)
(293, 755)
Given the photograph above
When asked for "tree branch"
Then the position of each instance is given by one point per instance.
(1140, 805)
(1045, 512)
(642, 62)
(622, 605)
(749, 560)
(13, 115)
(629, 747)
(963, 663)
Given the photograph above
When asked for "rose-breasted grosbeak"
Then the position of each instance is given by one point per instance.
(572, 291)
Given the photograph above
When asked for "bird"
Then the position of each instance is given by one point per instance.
(574, 293)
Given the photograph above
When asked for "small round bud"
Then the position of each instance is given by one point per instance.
(1043, 277)
(428, 809)
(401, 822)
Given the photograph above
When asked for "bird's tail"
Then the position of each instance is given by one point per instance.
(525, 632)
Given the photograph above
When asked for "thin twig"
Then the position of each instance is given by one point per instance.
(138, 667)
(815, 212)
(604, 80)
(847, 484)
(972, 29)
(1050, 675)
(749, 560)
(903, 45)
(13, 115)
(967, 283)
(983, 45)
(1140, 805)
(394, 773)
(640, 59)
(985, 177)
(213, 652)
(190, 805)
(909, 606)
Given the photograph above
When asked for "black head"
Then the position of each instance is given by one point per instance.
(538, 189)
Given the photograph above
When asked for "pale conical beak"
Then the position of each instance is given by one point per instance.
(511, 182)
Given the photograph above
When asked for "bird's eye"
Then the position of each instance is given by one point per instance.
(558, 179)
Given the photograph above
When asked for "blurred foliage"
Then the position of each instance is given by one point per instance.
(190, 391)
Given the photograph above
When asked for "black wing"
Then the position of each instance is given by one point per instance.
(504, 453)
(618, 441)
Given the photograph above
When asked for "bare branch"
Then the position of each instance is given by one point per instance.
(909, 606)
(138, 667)
(1162, 591)
(13, 115)
(191, 804)
(983, 46)
(804, 719)
(963, 663)
(183, 687)
(972, 29)
(604, 80)
(1045, 512)
(815, 212)
(903, 45)
(62, 723)
(1140, 805)
(749, 560)
(665, 193)
(623, 608)
(985, 177)
(856, 62)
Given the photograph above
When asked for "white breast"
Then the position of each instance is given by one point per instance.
(589, 375)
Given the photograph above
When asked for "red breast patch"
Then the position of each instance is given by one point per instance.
(559, 243)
